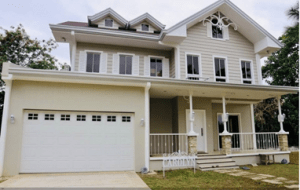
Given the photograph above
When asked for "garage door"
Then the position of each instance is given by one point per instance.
(77, 142)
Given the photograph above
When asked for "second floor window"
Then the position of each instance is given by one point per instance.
(216, 31)
(126, 64)
(220, 69)
(246, 72)
(156, 67)
(193, 65)
(93, 62)
(145, 27)
(109, 22)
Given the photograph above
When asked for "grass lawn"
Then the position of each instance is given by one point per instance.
(289, 171)
(186, 179)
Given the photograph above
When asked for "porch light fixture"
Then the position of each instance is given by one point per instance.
(142, 122)
(12, 119)
(220, 21)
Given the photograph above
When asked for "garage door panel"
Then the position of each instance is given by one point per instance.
(53, 144)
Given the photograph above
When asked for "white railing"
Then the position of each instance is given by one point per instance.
(254, 141)
(162, 143)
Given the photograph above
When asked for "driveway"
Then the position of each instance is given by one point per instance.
(77, 181)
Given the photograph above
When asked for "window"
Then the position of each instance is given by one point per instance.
(126, 118)
(216, 31)
(93, 62)
(49, 116)
(220, 69)
(111, 118)
(145, 27)
(193, 70)
(64, 117)
(126, 64)
(96, 118)
(33, 116)
(81, 117)
(246, 72)
(155, 67)
(109, 22)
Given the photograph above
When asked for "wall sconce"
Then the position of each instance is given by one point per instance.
(142, 122)
(12, 119)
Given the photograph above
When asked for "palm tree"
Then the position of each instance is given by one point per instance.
(293, 13)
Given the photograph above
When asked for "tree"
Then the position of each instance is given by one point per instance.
(18, 48)
(282, 68)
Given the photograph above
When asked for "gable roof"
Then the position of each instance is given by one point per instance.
(150, 19)
(107, 12)
(232, 12)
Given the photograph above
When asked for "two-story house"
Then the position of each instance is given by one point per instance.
(136, 91)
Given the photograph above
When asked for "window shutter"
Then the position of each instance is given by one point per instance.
(82, 61)
(209, 29)
(147, 66)
(135, 65)
(166, 68)
(116, 64)
(103, 63)
(226, 33)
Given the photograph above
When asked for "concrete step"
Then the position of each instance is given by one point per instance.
(219, 168)
(217, 164)
(220, 160)
(212, 157)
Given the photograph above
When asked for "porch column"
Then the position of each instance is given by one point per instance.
(253, 126)
(282, 135)
(226, 136)
(73, 46)
(258, 64)
(147, 125)
(192, 136)
(224, 116)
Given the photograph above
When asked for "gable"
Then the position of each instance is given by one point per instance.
(101, 23)
(138, 27)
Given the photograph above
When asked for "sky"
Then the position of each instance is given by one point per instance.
(36, 15)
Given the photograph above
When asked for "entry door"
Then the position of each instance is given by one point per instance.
(199, 127)
(232, 127)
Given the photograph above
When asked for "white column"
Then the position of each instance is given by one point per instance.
(73, 46)
(191, 132)
(224, 116)
(147, 125)
(258, 64)
(280, 116)
(177, 62)
(5, 119)
(253, 126)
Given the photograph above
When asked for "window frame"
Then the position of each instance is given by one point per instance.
(126, 54)
(145, 30)
(223, 33)
(226, 68)
(162, 65)
(252, 72)
(199, 65)
(109, 19)
(93, 51)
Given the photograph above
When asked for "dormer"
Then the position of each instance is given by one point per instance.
(107, 19)
(146, 23)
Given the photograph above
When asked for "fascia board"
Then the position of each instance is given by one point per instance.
(108, 12)
(151, 19)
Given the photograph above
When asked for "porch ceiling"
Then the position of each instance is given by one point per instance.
(251, 93)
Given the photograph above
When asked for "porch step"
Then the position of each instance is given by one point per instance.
(209, 162)
(220, 168)
(217, 160)
(216, 164)
(211, 157)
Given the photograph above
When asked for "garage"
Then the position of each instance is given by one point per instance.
(69, 141)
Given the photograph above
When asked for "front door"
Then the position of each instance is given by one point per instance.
(199, 127)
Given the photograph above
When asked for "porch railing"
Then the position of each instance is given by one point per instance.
(161, 143)
(254, 141)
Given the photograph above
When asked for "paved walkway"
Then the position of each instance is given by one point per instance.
(129, 180)
(262, 177)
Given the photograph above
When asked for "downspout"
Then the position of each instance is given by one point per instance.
(147, 125)
(8, 83)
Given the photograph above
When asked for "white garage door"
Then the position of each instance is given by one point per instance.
(77, 142)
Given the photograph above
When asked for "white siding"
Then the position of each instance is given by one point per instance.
(237, 47)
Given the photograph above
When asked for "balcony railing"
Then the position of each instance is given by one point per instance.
(254, 141)
(161, 143)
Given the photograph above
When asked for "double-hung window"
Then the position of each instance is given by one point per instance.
(109, 22)
(126, 64)
(193, 68)
(93, 62)
(216, 31)
(145, 27)
(246, 72)
(156, 67)
(220, 69)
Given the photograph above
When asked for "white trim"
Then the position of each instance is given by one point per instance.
(199, 65)
(253, 125)
(205, 128)
(148, 18)
(177, 62)
(226, 67)
(235, 102)
(120, 53)
(126, 54)
(4, 124)
(240, 124)
(147, 125)
(105, 13)
(258, 65)
(155, 56)
(85, 58)
(252, 73)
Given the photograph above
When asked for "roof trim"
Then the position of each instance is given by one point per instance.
(149, 18)
(108, 12)
(216, 5)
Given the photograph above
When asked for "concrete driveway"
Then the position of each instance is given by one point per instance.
(94, 180)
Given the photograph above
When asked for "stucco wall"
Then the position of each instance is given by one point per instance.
(79, 97)
(160, 115)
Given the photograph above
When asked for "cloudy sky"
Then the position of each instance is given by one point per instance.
(36, 15)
